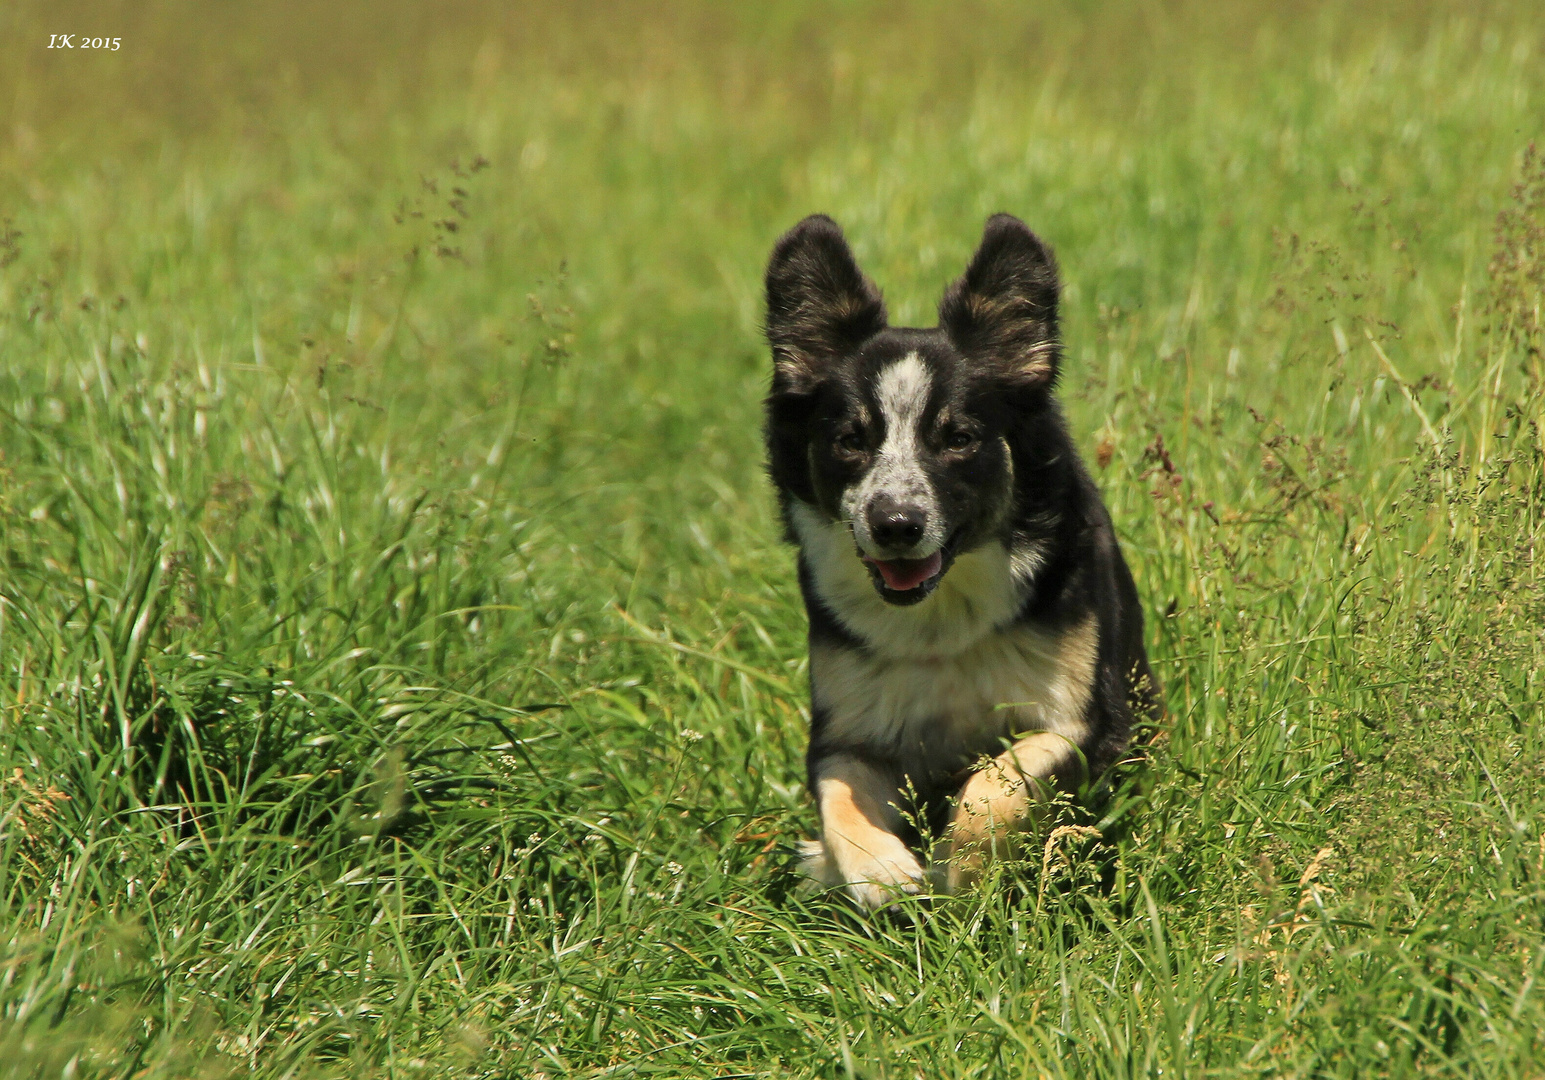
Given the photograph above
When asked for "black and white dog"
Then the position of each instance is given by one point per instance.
(975, 636)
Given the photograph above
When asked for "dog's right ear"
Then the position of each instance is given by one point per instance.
(820, 306)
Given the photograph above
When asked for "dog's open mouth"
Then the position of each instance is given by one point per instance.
(906, 581)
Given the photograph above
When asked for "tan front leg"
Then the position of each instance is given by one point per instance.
(859, 818)
(1000, 802)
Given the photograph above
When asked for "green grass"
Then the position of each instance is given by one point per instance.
(400, 672)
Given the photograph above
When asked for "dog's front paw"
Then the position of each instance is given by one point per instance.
(817, 865)
(875, 882)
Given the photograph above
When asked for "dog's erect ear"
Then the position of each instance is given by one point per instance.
(820, 306)
(1003, 309)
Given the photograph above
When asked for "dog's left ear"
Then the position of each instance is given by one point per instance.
(1003, 310)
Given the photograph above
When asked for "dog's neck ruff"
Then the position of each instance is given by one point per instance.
(983, 591)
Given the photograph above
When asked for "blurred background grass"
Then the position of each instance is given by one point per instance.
(400, 670)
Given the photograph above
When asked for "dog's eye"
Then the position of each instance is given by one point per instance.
(959, 440)
(850, 443)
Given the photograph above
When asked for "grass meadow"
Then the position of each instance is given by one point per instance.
(401, 673)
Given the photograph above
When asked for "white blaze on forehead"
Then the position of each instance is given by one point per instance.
(902, 393)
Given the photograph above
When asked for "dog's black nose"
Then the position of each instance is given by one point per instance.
(895, 525)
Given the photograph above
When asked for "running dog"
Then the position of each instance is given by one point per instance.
(976, 640)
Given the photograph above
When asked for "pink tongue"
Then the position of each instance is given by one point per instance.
(903, 574)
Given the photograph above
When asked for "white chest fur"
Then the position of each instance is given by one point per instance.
(944, 712)
(982, 591)
(947, 679)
